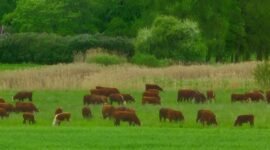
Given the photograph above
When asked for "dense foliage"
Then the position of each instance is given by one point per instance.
(172, 38)
(232, 30)
(51, 48)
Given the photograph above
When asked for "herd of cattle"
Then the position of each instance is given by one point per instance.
(107, 96)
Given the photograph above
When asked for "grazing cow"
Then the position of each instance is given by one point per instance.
(86, 112)
(8, 107)
(199, 97)
(172, 115)
(94, 99)
(150, 94)
(2, 100)
(206, 116)
(27, 116)
(153, 86)
(268, 96)
(255, 96)
(151, 100)
(3, 113)
(23, 95)
(58, 111)
(185, 95)
(210, 95)
(61, 117)
(107, 111)
(128, 98)
(128, 116)
(239, 97)
(119, 98)
(25, 107)
(244, 119)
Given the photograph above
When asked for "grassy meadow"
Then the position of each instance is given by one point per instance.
(64, 85)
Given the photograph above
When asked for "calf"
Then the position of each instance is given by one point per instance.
(239, 97)
(244, 119)
(128, 98)
(185, 95)
(27, 116)
(86, 112)
(58, 111)
(171, 114)
(61, 117)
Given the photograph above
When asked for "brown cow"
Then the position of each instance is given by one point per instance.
(2, 100)
(174, 115)
(151, 100)
(128, 98)
(268, 96)
(23, 95)
(94, 99)
(25, 107)
(210, 95)
(107, 111)
(199, 97)
(239, 97)
(255, 96)
(244, 119)
(8, 107)
(153, 86)
(3, 113)
(105, 91)
(58, 111)
(163, 114)
(128, 116)
(86, 112)
(206, 116)
(61, 117)
(185, 95)
(27, 116)
(124, 109)
(116, 98)
(150, 94)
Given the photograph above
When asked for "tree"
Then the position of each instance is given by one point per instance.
(169, 37)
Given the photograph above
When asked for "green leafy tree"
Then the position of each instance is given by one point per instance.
(169, 37)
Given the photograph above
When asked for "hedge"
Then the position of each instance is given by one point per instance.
(44, 48)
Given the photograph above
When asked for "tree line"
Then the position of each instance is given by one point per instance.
(222, 31)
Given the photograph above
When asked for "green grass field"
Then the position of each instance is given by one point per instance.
(97, 133)
(4, 67)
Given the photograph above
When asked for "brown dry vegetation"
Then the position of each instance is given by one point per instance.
(86, 76)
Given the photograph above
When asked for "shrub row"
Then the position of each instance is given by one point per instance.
(44, 48)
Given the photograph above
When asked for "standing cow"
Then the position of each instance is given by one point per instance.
(23, 95)
(28, 116)
(152, 86)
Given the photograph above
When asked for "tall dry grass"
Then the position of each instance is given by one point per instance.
(127, 76)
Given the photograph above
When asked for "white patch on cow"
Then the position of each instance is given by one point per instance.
(55, 121)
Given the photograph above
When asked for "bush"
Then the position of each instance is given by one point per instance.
(105, 59)
(43, 48)
(148, 60)
(262, 75)
(171, 38)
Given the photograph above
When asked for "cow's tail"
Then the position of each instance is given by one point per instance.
(54, 123)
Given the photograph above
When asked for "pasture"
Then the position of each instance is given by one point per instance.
(98, 133)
